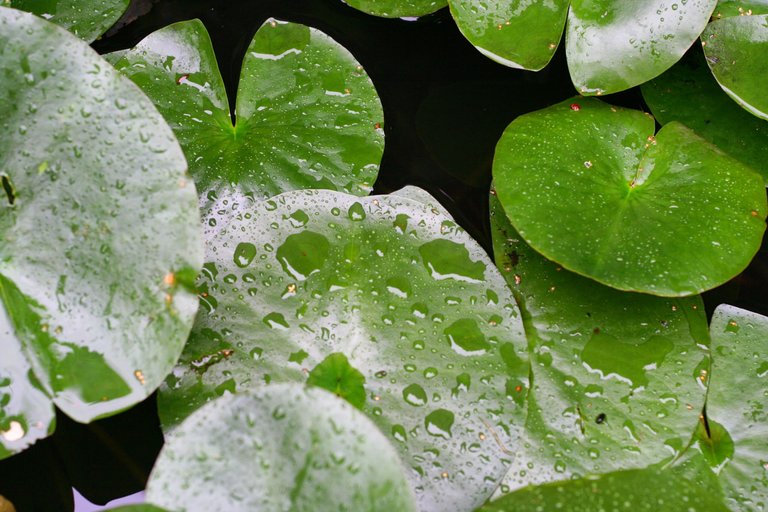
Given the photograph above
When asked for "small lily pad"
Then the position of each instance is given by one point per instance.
(650, 490)
(87, 19)
(687, 93)
(285, 447)
(307, 115)
(100, 234)
(397, 8)
(733, 439)
(616, 375)
(591, 187)
(736, 48)
(610, 45)
(398, 288)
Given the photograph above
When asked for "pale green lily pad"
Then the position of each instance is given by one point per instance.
(307, 114)
(727, 8)
(100, 233)
(591, 187)
(618, 377)
(687, 93)
(611, 45)
(285, 447)
(396, 286)
(138, 508)
(737, 408)
(87, 19)
(736, 48)
(397, 8)
(639, 490)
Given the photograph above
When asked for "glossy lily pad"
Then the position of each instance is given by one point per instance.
(611, 45)
(87, 19)
(100, 233)
(740, 8)
(307, 115)
(591, 187)
(733, 441)
(687, 93)
(618, 377)
(397, 8)
(650, 490)
(285, 447)
(736, 48)
(402, 292)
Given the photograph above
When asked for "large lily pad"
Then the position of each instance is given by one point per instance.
(590, 186)
(687, 93)
(283, 448)
(100, 235)
(87, 19)
(307, 114)
(611, 45)
(618, 377)
(736, 48)
(409, 299)
(649, 490)
(733, 441)
(397, 8)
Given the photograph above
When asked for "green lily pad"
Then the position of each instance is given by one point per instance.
(402, 292)
(727, 8)
(611, 45)
(138, 508)
(737, 408)
(100, 231)
(591, 187)
(307, 113)
(736, 48)
(285, 447)
(687, 93)
(397, 8)
(617, 376)
(650, 490)
(87, 19)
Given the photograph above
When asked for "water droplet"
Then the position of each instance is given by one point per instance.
(466, 338)
(356, 212)
(298, 219)
(244, 254)
(14, 433)
(439, 422)
(446, 259)
(415, 395)
(303, 254)
(575, 107)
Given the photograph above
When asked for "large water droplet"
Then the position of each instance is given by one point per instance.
(449, 260)
(612, 358)
(466, 338)
(244, 254)
(439, 422)
(303, 254)
(415, 395)
(14, 433)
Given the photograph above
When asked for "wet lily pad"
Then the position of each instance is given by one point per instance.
(307, 115)
(138, 508)
(285, 447)
(650, 490)
(100, 233)
(687, 93)
(87, 19)
(736, 48)
(733, 440)
(611, 45)
(402, 292)
(591, 187)
(617, 376)
(397, 8)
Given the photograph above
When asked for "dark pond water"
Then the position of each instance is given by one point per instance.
(445, 107)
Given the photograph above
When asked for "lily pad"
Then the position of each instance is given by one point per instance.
(307, 115)
(87, 19)
(611, 45)
(687, 93)
(617, 376)
(733, 441)
(591, 187)
(284, 448)
(740, 8)
(138, 508)
(736, 48)
(100, 231)
(650, 490)
(397, 8)
(402, 292)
